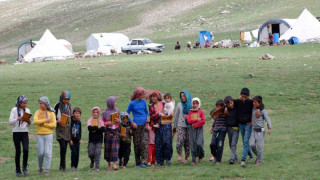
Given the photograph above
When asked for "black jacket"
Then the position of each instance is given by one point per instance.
(75, 130)
(96, 134)
(244, 110)
(232, 118)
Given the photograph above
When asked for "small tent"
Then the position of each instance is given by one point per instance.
(204, 36)
(272, 26)
(48, 48)
(306, 28)
(99, 40)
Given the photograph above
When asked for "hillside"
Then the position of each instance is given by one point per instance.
(75, 20)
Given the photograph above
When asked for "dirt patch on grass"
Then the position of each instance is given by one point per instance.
(3, 159)
(201, 79)
(220, 59)
(107, 64)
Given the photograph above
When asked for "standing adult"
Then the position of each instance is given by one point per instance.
(20, 128)
(138, 107)
(163, 134)
(181, 126)
(63, 130)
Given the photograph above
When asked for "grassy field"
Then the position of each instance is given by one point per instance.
(289, 85)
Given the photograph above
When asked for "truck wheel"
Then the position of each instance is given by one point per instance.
(129, 52)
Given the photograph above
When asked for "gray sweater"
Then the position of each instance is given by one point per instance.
(259, 122)
(179, 120)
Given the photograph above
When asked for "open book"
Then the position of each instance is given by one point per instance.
(64, 119)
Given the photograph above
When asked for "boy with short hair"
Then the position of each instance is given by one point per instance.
(219, 105)
(257, 134)
(233, 128)
(218, 132)
(244, 109)
(75, 138)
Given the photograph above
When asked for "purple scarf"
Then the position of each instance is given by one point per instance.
(110, 108)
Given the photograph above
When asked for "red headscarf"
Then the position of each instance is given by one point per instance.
(137, 93)
(156, 94)
(178, 43)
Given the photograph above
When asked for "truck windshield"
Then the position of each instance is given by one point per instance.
(147, 41)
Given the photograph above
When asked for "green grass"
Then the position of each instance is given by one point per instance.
(291, 151)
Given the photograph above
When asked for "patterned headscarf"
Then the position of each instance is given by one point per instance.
(20, 100)
(46, 101)
(156, 94)
(138, 92)
(122, 115)
(65, 109)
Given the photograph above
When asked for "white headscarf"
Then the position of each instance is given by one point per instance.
(198, 100)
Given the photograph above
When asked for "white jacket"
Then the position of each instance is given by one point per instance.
(13, 120)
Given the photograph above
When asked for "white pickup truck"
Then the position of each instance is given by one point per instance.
(137, 45)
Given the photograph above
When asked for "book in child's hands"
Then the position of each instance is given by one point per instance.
(166, 120)
(94, 122)
(113, 116)
(64, 119)
(27, 115)
(123, 130)
(195, 116)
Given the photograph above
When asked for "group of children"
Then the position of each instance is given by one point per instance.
(151, 130)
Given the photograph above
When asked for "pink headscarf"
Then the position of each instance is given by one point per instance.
(156, 94)
(137, 93)
(99, 119)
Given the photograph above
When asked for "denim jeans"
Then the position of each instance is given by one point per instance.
(44, 150)
(217, 144)
(233, 135)
(245, 130)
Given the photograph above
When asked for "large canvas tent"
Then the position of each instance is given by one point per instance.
(204, 36)
(106, 41)
(306, 28)
(48, 48)
(25, 47)
(279, 26)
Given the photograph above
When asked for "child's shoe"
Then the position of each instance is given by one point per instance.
(143, 166)
(91, 165)
(96, 170)
(115, 168)
(200, 160)
(184, 161)
(109, 168)
(258, 163)
(40, 171)
(179, 159)
(251, 159)
(46, 172)
(120, 163)
(243, 163)
(19, 174)
(149, 163)
(218, 163)
(192, 164)
(211, 159)
(169, 163)
(156, 125)
(124, 167)
(25, 171)
(73, 169)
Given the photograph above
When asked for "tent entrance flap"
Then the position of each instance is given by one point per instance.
(275, 28)
(204, 36)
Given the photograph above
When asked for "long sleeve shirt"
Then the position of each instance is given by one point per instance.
(179, 120)
(13, 120)
(75, 130)
(197, 123)
(244, 110)
(40, 118)
(259, 122)
(139, 111)
(96, 133)
(151, 134)
(219, 123)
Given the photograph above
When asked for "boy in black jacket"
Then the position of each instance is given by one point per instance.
(233, 127)
(75, 138)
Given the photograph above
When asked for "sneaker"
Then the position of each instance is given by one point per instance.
(91, 165)
(179, 158)
(76, 169)
(218, 163)
(200, 160)
(46, 172)
(149, 163)
(143, 166)
(231, 161)
(96, 170)
(138, 166)
(19, 174)
(192, 164)
(124, 167)
(243, 163)
(211, 159)
(40, 171)
(73, 169)
(120, 163)
(251, 159)
(63, 170)
(25, 171)
(169, 163)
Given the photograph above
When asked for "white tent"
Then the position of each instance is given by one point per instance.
(48, 48)
(306, 28)
(99, 40)
(274, 26)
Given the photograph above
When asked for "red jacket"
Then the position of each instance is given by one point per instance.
(197, 123)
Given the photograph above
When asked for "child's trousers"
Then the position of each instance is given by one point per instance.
(44, 150)
(94, 153)
(217, 144)
(152, 154)
(124, 152)
(18, 139)
(257, 143)
(233, 134)
(75, 152)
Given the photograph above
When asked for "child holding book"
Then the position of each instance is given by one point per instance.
(75, 138)
(125, 129)
(196, 119)
(181, 126)
(111, 139)
(257, 134)
(63, 110)
(96, 129)
(20, 127)
(152, 152)
(218, 131)
(45, 119)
